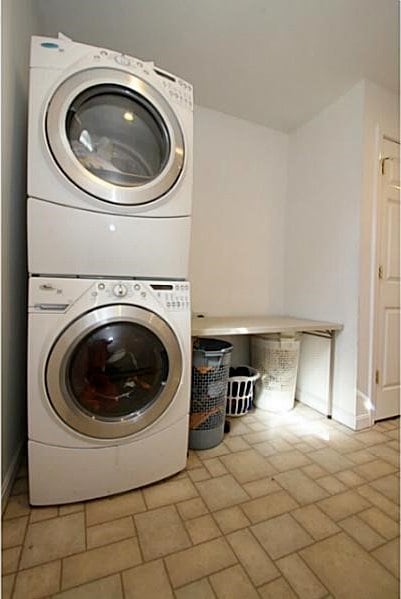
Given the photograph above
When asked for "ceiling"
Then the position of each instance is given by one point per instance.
(273, 62)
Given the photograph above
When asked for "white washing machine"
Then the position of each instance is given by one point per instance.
(108, 385)
(110, 146)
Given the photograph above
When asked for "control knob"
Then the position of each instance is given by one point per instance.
(120, 290)
(122, 59)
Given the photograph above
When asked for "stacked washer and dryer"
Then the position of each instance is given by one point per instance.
(109, 219)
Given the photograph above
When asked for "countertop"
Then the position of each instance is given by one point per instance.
(250, 325)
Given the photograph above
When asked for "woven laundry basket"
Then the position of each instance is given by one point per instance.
(277, 361)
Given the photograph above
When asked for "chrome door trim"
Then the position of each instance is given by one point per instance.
(59, 357)
(55, 119)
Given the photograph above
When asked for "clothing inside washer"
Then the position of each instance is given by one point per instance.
(118, 370)
(117, 136)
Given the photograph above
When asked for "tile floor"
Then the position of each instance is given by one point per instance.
(290, 505)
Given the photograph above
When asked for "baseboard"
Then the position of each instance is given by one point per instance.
(364, 411)
(10, 476)
(363, 421)
(358, 421)
(313, 401)
(344, 417)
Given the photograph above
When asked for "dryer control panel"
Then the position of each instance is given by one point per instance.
(178, 90)
(62, 53)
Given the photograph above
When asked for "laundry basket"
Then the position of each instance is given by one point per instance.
(276, 358)
(210, 367)
(240, 390)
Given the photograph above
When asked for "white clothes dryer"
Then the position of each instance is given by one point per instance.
(108, 385)
(110, 144)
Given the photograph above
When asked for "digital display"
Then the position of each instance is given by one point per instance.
(162, 287)
(165, 75)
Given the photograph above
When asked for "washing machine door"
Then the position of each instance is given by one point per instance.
(113, 371)
(115, 136)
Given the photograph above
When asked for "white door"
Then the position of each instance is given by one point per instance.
(388, 276)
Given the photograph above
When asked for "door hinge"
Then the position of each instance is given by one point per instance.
(380, 272)
(377, 377)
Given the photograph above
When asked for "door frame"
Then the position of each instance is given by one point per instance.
(381, 138)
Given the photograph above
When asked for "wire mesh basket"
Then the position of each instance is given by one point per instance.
(210, 368)
(240, 388)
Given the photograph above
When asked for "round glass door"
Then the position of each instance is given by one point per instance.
(117, 370)
(115, 136)
(113, 371)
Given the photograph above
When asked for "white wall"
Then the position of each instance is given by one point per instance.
(237, 250)
(322, 232)
(18, 24)
(381, 117)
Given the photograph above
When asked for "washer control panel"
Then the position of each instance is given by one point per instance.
(115, 289)
(59, 295)
(172, 296)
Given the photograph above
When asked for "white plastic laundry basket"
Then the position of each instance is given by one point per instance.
(277, 361)
(240, 390)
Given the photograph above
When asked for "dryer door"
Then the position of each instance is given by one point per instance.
(113, 371)
(115, 136)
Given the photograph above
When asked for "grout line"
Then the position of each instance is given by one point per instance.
(182, 522)
(144, 497)
(52, 560)
(86, 527)
(248, 528)
(396, 506)
(19, 571)
(167, 574)
(60, 582)
(385, 541)
(77, 553)
(113, 519)
(222, 533)
(92, 580)
(136, 535)
(211, 586)
(120, 575)
(370, 552)
(139, 543)
(20, 557)
(234, 566)
(23, 536)
(14, 497)
(200, 577)
(381, 563)
(313, 571)
(288, 582)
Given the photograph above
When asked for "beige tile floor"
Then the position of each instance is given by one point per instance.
(290, 505)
